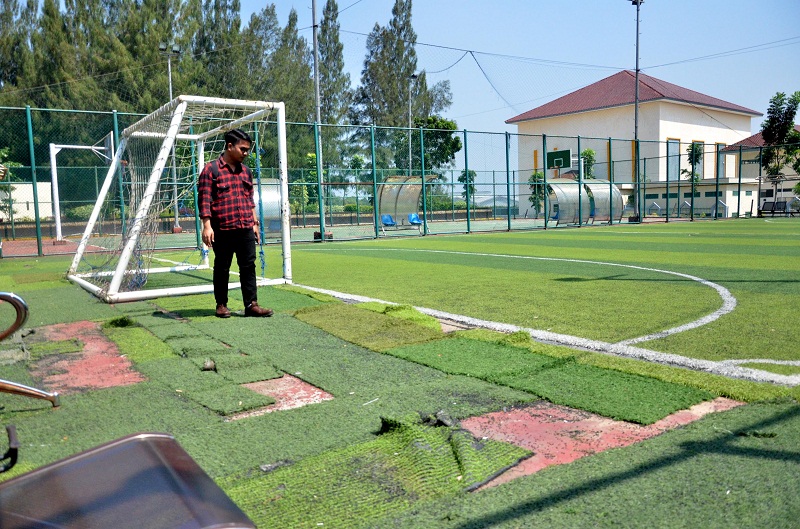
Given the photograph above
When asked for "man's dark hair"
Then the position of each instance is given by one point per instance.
(234, 136)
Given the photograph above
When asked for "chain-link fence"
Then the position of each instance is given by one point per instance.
(370, 182)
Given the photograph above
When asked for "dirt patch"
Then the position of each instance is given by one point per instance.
(559, 435)
(97, 365)
(289, 393)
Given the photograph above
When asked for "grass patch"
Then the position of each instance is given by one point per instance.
(406, 312)
(138, 344)
(560, 380)
(742, 390)
(240, 368)
(366, 328)
(55, 347)
(359, 484)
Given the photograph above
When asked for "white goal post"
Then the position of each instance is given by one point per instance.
(116, 251)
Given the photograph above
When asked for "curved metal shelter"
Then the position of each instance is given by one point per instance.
(606, 200)
(398, 196)
(572, 203)
(568, 193)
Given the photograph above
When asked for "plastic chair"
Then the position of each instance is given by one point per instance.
(414, 220)
(387, 222)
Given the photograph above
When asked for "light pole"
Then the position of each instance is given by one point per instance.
(172, 50)
(411, 79)
(638, 4)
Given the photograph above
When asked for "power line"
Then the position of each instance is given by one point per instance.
(738, 51)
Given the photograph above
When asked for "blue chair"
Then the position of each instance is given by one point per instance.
(387, 222)
(414, 220)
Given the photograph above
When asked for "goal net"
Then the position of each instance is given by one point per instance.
(130, 248)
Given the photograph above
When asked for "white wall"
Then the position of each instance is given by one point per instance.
(22, 196)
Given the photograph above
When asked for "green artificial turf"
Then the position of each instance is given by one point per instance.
(491, 277)
(40, 349)
(718, 385)
(740, 468)
(408, 462)
(239, 367)
(562, 381)
(365, 327)
(406, 312)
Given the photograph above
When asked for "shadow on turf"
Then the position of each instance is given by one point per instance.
(690, 449)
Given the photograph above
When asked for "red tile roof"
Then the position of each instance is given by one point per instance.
(756, 140)
(620, 90)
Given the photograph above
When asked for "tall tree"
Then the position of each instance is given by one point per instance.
(334, 90)
(219, 44)
(14, 49)
(261, 38)
(389, 85)
(781, 140)
(334, 82)
(290, 81)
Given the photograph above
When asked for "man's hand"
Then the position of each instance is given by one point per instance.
(208, 235)
(256, 231)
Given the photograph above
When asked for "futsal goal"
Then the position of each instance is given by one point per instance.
(128, 251)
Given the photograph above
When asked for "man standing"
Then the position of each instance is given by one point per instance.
(230, 224)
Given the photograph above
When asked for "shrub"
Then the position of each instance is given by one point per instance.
(79, 212)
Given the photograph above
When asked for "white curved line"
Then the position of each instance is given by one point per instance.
(728, 300)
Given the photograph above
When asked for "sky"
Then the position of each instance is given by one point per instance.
(505, 57)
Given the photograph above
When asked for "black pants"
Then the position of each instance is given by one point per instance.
(242, 243)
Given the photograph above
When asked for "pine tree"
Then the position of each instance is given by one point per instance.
(334, 82)
(261, 39)
(387, 84)
(334, 89)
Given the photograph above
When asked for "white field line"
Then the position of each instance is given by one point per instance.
(624, 348)
(724, 368)
(728, 300)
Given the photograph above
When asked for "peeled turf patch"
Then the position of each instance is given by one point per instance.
(407, 462)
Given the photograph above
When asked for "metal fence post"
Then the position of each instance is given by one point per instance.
(508, 180)
(580, 184)
(375, 204)
(716, 181)
(739, 187)
(545, 194)
(422, 172)
(33, 179)
(467, 193)
(320, 198)
(611, 186)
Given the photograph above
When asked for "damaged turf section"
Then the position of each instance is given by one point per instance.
(411, 459)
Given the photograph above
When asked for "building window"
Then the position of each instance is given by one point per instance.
(699, 147)
(671, 195)
(748, 193)
(713, 194)
(720, 160)
(673, 159)
(689, 194)
(649, 196)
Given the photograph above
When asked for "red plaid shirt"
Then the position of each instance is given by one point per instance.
(228, 200)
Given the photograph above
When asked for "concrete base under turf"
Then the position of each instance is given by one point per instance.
(557, 434)
(289, 393)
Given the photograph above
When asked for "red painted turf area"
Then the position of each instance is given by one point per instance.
(98, 365)
(557, 434)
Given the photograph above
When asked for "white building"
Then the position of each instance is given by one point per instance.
(671, 119)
